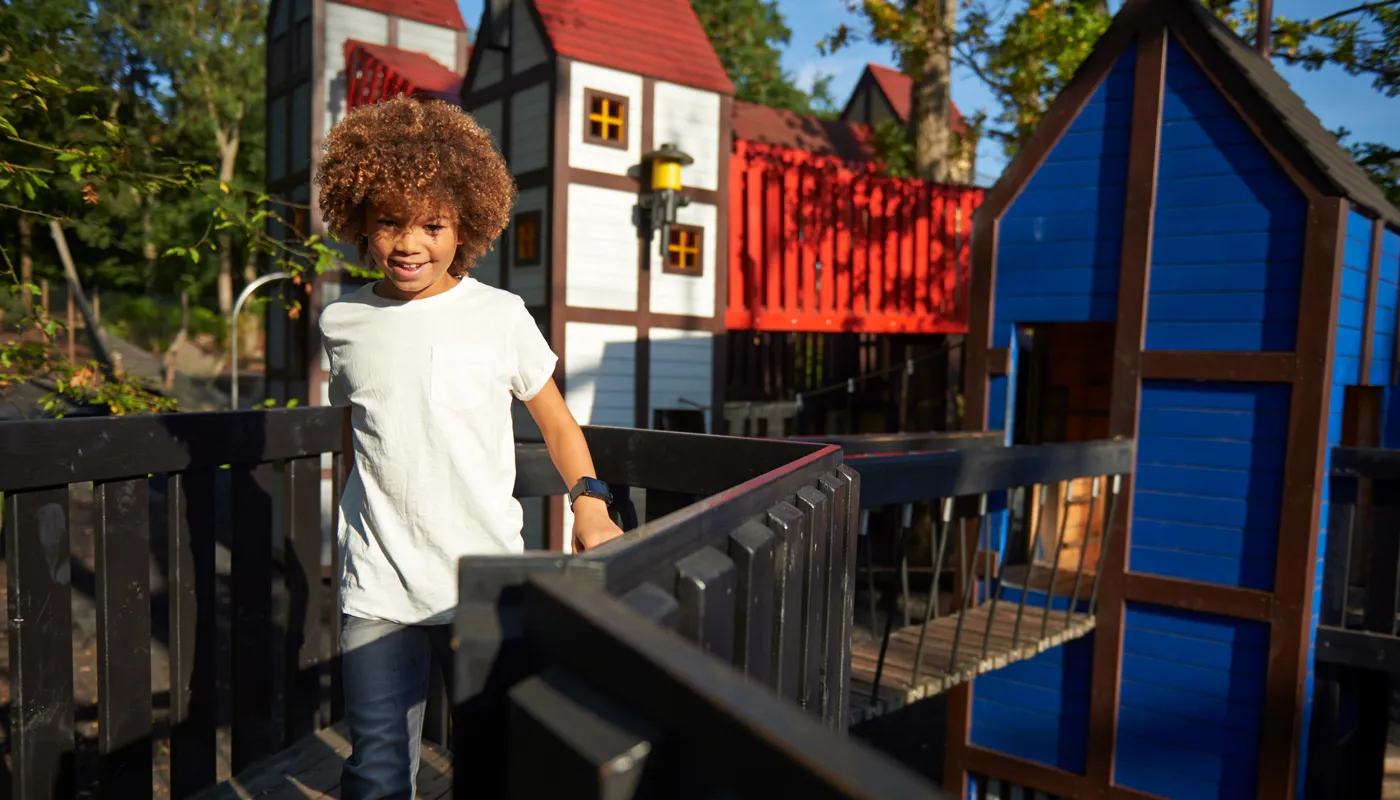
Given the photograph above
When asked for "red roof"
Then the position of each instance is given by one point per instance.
(772, 126)
(899, 90)
(660, 39)
(443, 13)
(419, 71)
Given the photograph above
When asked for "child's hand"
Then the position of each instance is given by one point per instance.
(592, 525)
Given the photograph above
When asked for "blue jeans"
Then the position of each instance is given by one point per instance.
(385, 669)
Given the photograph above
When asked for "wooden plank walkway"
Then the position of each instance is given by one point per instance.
(310, 770)
(938, 671)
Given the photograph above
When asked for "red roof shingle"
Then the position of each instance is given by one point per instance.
(660, 39)
(420, 70)
(899, 89)
(772, 126)
(443, 13)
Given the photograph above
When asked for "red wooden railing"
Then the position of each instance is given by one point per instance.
(817, 244)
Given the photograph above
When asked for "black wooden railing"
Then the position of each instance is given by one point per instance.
(1358, 645)
(756, 572)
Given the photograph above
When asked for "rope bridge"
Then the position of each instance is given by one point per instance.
(1058, 528)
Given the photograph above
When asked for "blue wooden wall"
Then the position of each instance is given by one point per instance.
(1227, 255)
(1384, 352)
(1061, 240)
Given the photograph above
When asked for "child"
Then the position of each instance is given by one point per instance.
(427, 359)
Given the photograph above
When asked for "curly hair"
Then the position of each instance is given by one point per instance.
(420, 156)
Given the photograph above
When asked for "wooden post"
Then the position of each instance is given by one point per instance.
(1264, 28)
(96, 306)
(44, 295)
(72, 323)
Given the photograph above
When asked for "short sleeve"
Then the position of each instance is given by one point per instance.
(533, 360)
(335, 383)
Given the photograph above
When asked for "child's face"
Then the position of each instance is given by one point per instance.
(413, 251)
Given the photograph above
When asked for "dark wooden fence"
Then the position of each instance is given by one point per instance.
(1358, 646)
(716, 611)
(746, 552)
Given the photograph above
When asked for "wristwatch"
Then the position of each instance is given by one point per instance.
(590, 487)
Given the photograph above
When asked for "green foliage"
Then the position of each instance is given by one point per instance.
(894, 149)
(746, 35)
(1380, 160)
(1027, 59)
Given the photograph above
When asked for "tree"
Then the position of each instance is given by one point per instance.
(746, 35)
(1026, 58)
(922, 35)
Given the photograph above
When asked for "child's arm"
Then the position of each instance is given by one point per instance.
(569, 452)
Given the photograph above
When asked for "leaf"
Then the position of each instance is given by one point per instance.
(194, 256)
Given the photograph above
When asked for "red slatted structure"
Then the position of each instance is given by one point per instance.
(825, 245)
(374, 72)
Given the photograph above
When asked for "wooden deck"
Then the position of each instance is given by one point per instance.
(310, 770)
(938, 672)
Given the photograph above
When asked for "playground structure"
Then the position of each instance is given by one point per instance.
(1181, 312)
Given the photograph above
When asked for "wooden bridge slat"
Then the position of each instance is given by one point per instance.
(751, 547)
(850, 536)
(123, 552)
(251, 574)
(304, 651)
(193, 630)
(898, 686)
(817, 515)
(1341, 535)
(705, 588)
(787, 524)
(40, 604)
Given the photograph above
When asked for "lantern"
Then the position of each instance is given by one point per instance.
(665, 196)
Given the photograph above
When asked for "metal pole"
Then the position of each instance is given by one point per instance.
(233, 325)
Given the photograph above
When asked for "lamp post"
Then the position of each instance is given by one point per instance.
(233, 323)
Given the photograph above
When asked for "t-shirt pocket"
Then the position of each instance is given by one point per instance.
(462, 379)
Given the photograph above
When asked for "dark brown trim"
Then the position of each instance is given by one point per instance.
(1023, 772)
(535, 219)
(556, 286)
(625, 103)
(1206, 598)
(1226, 366)
(507, 257)
(318, 109)
(624, 183)
(391, 25)
(1066, 108)
(507, 85)
(719, 353)
(999, 361)
(1300, 510)
(1373, 284)
(461, 42)
(533, 179)
(698, 232)
(641, 367)
(1149, 82)
(1257, 113)
(614, 316)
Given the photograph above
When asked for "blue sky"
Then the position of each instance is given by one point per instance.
(1336, 98)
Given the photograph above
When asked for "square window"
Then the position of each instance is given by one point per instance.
(685, 252)
(527, 238)
(605, 119)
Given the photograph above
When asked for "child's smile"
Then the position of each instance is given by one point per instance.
(413, 252)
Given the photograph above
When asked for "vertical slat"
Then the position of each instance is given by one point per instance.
(123, 545)
(786, 523)
(834, 644)
(304, 644)
(341, 464)
(811, 232)
(844, 220)
(654, 603)
(592, 748)
(193, 632)
(791, 200)
(828, 210)
(705, 588)
(850, 536)
(1341, 535)
(41, 627)
(814, 508)
(772, 235)
(754, 236)
(751, 548)
(251, 574)
(1384, 579)
(921, 249)
(860, 246)
(874, 239)
(739, 211)
(902, 276)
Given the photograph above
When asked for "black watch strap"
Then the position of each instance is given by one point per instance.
(590, 487)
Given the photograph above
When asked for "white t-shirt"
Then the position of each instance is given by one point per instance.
(429, 383)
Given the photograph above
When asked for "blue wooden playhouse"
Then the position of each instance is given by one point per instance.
(1184, 231)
